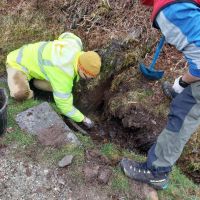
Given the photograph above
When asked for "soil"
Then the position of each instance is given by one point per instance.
(41, 181)
(97, 24)
(52, 136)
(45, 180)
(127, 138)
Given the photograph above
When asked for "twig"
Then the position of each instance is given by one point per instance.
(181, 60)
(106, 3)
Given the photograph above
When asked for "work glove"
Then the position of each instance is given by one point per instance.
(88, 122)
(179, 85)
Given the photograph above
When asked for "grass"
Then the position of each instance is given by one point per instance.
(133, 156)
(180, 187)
(17, 30)
(14, 133)
(21, 26)
(161, 109)
(119, 182)
(86, 141)
(53, 155)
(143, 94)
(111, 151)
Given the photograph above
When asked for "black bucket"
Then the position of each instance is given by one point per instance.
(3, 110)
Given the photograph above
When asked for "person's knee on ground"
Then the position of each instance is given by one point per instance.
(18, 85)
(42, 85)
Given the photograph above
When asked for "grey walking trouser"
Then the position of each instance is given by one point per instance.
(183, 120)
(181, 30)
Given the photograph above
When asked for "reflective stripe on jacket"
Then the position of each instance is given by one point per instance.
(56, 62)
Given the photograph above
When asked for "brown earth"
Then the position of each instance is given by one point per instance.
(25, 174)
(123, 119)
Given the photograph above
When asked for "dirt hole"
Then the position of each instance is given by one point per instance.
(108, 129)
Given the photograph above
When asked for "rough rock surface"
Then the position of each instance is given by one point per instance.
(143, 191)
(91, 171)
(104, 175)
(67, 160)
(45, 123)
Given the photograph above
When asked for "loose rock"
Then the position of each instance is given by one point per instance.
(104, 175)
(67, 160)
(150, 193)
(143, 191)
(91, 171)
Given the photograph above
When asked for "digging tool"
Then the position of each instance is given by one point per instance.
(151, 73)
(78, 127)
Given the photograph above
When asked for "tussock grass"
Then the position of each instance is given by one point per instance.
(26, 24)
(180, 187)
(53, 155)
(111, 151)
(14, 133)
(22, 25)
(119, 182)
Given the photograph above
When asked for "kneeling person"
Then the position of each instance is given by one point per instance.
(53, 65)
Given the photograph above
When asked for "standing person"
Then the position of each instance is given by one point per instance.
(53, 65)
(179, 22)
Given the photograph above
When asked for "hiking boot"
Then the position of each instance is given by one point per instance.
(140, 172)
(168, 90)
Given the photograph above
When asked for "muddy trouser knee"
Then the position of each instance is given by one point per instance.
(183, 120)
(42, 85)
(18, 84)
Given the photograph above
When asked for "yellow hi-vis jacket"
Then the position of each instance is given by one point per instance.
(56, 62)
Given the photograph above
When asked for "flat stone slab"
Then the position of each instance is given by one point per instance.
(47, 125)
